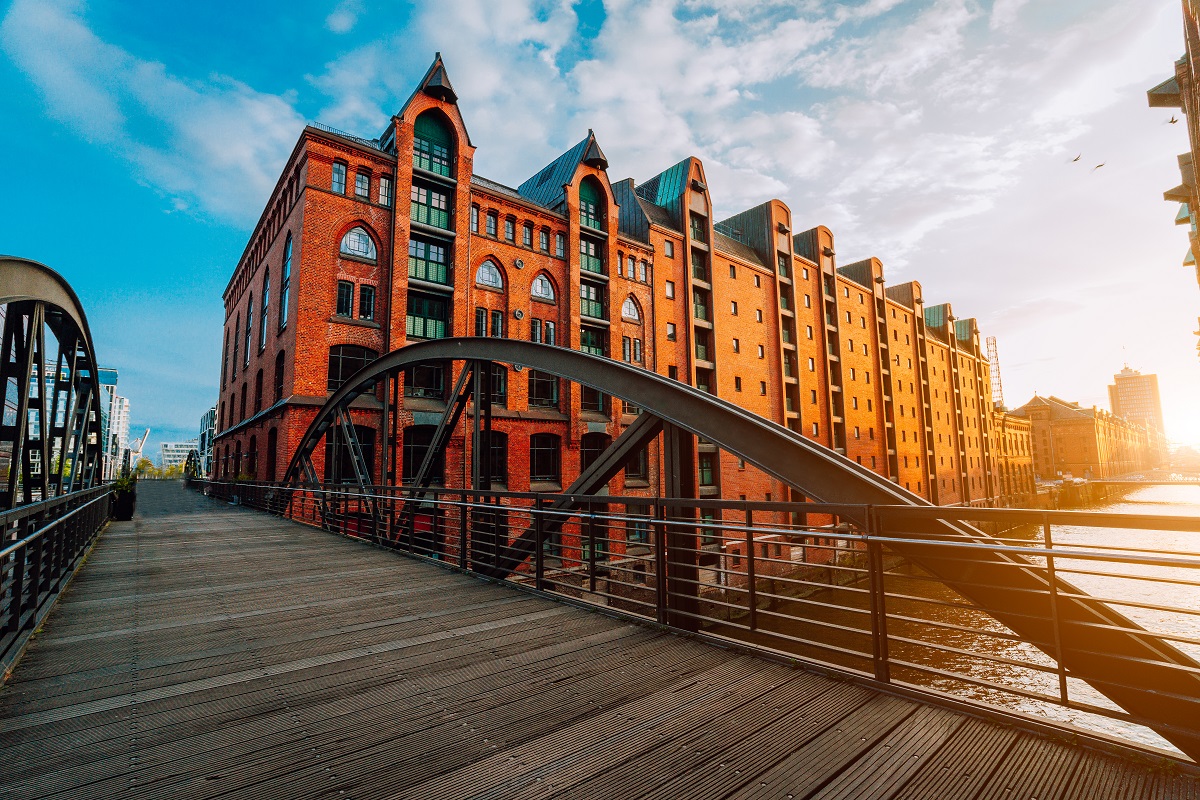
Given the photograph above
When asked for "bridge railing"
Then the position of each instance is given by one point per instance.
(41, 545)
(818, 583)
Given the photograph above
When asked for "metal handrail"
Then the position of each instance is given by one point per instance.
(828, 590)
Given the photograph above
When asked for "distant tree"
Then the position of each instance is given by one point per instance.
(146, 468)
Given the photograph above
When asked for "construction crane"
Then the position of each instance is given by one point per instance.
(997, 384)
(135, 449)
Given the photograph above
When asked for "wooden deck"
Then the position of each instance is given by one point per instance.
(207, 651)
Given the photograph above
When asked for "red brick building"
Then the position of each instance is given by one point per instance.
(1070, 441)
(341, 268)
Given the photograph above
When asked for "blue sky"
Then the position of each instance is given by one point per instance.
(934, 134)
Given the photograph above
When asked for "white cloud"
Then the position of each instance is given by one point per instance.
(344, 16)
(218, 144)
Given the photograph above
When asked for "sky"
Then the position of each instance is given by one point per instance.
(938, 135)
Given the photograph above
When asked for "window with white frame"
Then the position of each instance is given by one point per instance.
(488, 274)
(357, 242)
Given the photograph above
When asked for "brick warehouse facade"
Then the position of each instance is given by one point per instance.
(341, 269)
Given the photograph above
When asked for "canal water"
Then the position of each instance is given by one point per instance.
(972, 644)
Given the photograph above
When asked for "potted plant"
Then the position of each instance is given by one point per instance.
(124, 497)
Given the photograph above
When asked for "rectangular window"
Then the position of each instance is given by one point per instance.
(481, 322)
(265, 312)
(814, 395)
(670, 290)
(560, 245)
(758, 315)
(669, 249)
(732, 271)
(430, 207)
(427, 261)
(592, 341)
(385, 190)
(673, 372)
(642, 273)
(733, 307)
(431, 156)
(474, 219)
(626, 348)
(366, 302)
(737, 384)
(762, 388)
(590, 302)
(783, 266)
(543, 390)
(527, 235)
(338, 184)
(362, 185)
(762, 351)
(637, 351)
(814, 429)
(548, 332)
(699, 230)
(737, 345)
(498, 324)
(491, 223)
(428, 317)
(510, 229)
(809, 331)
(670, 331)
(345, 299)
(544, 241)
(589, 256)
(707, 469)
(535, 330)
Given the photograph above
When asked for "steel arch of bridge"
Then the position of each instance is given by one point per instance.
(1093, 641)
(50, 429)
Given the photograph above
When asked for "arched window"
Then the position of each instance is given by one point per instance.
(497, 450)
(488, 274)
(591, 204)
(285, 284)
(258, 387)
(629, 310)
(357, 242)
(344, 361)
(272, 445)
(266, 307)
(542, 288)
(278, 394)
(252, 458)
(433, 144)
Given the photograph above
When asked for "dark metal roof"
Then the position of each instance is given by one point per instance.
(657, 214)
(733, 247)
(546, 187)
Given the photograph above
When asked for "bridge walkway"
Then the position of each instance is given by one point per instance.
(208, 651)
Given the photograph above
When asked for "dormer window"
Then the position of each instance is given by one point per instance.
(591, 208)
(357, 242)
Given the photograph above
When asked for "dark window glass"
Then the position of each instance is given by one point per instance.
(427, 261)
(474, 219)
(498, 324)
(548, 332)
(491, 223)
(425, 380)
(593, 400)
(637, 524)
(338, 183)
(591, 445)
(385, 190)
(278, 377)
(266, 307)
(339, 457)
(527, 235)
(544, 458)
(497, 461)
(344, 361)
(481, 322)
(593, 341)
(362, 185)
(636, 466)
(285, 285)
(510, 229)
(498, 385)
(345, 299)
(417, 439)
(535, 330)
(366, 302)
(258, 387)
(543, 390)
(249, 329)
(272, 446)
(707, 469)
(237, 334)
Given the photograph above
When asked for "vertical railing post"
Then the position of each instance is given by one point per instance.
(539, 546)
(591, 533)
(660, 563)
(751, 577)
(879, 633)
(462, 531)
(1052, 579)
(17, 607)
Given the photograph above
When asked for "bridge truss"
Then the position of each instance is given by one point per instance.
(50, 429)
(1142, 673)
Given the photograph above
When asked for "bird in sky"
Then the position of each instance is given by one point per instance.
(1172, 120)
(1076, 158)
(1098, 166)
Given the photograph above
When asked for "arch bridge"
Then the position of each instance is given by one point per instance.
(1144, 674)
(51, 426)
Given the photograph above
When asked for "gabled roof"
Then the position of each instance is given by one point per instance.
(436, 82)
(657, 214)
(546, 187)
(667, 186)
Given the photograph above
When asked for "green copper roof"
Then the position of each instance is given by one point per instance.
(546, 187)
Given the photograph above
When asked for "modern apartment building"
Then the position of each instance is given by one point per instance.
(341, 269)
